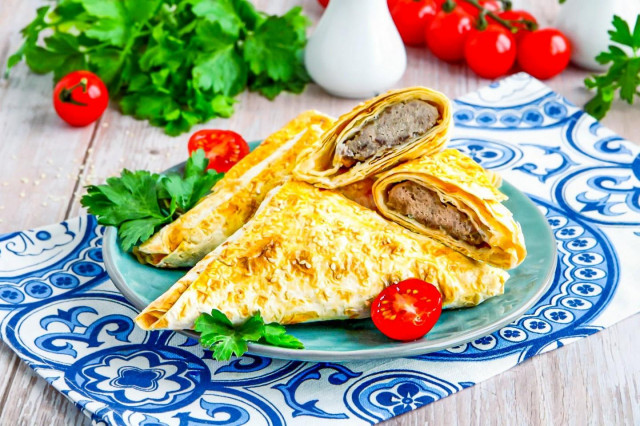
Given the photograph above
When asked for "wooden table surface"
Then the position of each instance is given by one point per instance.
(46, 164)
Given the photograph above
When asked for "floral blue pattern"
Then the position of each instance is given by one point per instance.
(62, 315)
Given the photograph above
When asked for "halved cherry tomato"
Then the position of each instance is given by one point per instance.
(447, 33)
(407, 310)
(490, 5)
(412, 17)
(323, 3)
(80, 98)
(223, 148)
(491, 52)
(544, 53)
(517, 15)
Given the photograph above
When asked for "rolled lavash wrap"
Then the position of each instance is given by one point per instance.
(234, 198)
(452, 199)
(310, 255)
(395, 127)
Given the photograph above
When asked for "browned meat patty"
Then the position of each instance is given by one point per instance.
(424, 205)
(395, 124)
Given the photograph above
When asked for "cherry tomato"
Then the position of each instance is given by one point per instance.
(223, 148)
(490, 5)
(447, 33)
(412, 17)
(516, 15)
(407, 310)
(544, 53)
(491, 52)
(80, 98)
(323, 3)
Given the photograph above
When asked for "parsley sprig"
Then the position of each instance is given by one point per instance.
(172, 62)
(624, 72)
(224, 339)
(140, 202)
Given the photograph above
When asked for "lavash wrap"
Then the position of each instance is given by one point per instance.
(321, 165)
(460, 181)
(234, 198)
(310, 255)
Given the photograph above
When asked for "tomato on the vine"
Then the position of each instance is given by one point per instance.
(544, 53)
(490, 52)
(517, 15)
(80, 98)
(223, 148)
(447, 33)
(411, 18)
(407, 310)
(490, 5)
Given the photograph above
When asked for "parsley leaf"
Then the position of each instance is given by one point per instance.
(140, 202)
(224, 339)
(624, 73)
(276, 335)
(175, 64)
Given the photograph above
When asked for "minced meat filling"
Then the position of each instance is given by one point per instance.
(394, 126)
(411, 199)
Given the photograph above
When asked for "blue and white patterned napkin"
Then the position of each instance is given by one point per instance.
(62, 315)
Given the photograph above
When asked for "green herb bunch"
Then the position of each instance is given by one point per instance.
(224, 339)
(173, 62)
(623, 73)
(139, 203)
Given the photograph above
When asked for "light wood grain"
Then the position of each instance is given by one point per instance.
(593, 381)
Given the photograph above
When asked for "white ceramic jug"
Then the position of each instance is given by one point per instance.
(356, 51)
(586, 23)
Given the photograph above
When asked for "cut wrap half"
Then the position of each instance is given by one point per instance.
(392, 128)
(235, 198)
(450, 198)
(308, 255)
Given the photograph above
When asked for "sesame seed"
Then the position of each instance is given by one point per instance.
(105, 124)
(14, 157)
(43, 176)
(49, 161)
(22, 194)
(44, 204)
(36, 182)
(5, 183)
(24, 180)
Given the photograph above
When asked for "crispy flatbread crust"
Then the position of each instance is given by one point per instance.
(460, 181)
(322, 166)
(309, 255)
(234, 198)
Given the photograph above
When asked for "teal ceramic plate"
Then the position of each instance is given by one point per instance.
(359, 339)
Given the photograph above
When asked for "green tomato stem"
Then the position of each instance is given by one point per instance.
(65, 93)
(508, 24)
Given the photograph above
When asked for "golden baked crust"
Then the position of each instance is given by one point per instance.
(310, 254)
(234, 198)
(323, 167)
(460, 181)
